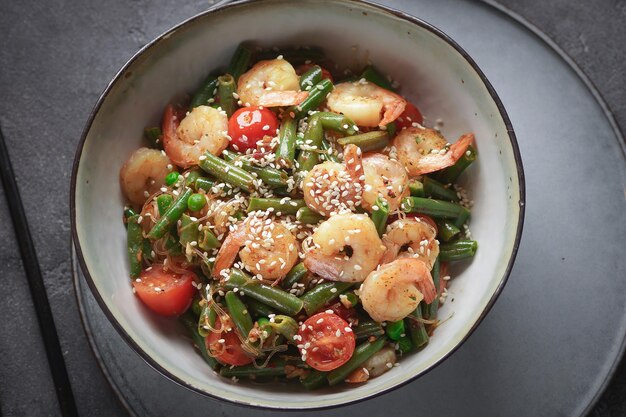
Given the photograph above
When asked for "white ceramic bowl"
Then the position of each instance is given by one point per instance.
(434, 72)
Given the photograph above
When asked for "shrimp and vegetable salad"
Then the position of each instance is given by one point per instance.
(298, 224)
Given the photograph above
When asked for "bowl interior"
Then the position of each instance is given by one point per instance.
(431, 72)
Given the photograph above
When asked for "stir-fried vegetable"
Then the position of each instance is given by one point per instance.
(293, 223)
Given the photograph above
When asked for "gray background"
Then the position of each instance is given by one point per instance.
(55, 59)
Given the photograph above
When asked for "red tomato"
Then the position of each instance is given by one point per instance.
(249, 125)
(348, 314)
(305, 67)
(410, 115)
(226, 347)
(329, 344)
(165, 292)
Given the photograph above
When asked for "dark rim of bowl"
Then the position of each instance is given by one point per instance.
(393, 12)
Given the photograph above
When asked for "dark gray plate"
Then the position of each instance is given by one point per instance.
(555, 335)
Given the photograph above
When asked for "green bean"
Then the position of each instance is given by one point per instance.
(191, 177)
(207, 318)
(431, 309)
(457, 250)
(294, 56)
(207, 240)
(273, 177)
(257, 308)
(405, 345)
(274, 297)
(446, 230)
(380, 214)
(372, 75)
(314, 380)
(196, 308)
(416, 188)
(240, 61)
(451, 174)
(225, 90)
(391, 129)
(462, 219)
(134, 243)
(205, 93)
(146, 250)
(329, 154)
(128, 212)
(337, 122)
(322, 294)
(370, 141)
(171, 216)
(203, 183)
(350, 297)
(172, 244)
(317, 95)
(417, 330)
(395, 329)
(154, 136)
(307, 216)
(294, 276)
(164, 201)
(278, 204)
(362, 353)
(238, 314)
(311, 77)
(435, 189)
(273, 369)
(313, 136)
(435, 208)
(286, 152)
(189, 322)
(367, 328)
(227, 172)
(285, 326)
(188, 230)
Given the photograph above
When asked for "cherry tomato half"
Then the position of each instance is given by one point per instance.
(410, 115)
(249, 125)
(164, 291)
(348, 314)
(226, 347)
(329, 344)
(326, 75)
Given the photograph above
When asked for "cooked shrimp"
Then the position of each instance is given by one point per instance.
(331, 187)
(424, 150)
(413, 238)
(265, 247)
(345, 248)
(386, 178)
(143, 174)
(393, 291)
(364, 102)
(221, 214)
(204, 129)
(270, 83)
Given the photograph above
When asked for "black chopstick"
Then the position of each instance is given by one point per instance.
(37, 288)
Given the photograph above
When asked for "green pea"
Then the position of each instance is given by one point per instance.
(196, 202)
(395, 329)
(171, 178)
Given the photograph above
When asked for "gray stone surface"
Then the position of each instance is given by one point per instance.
(56, 57)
